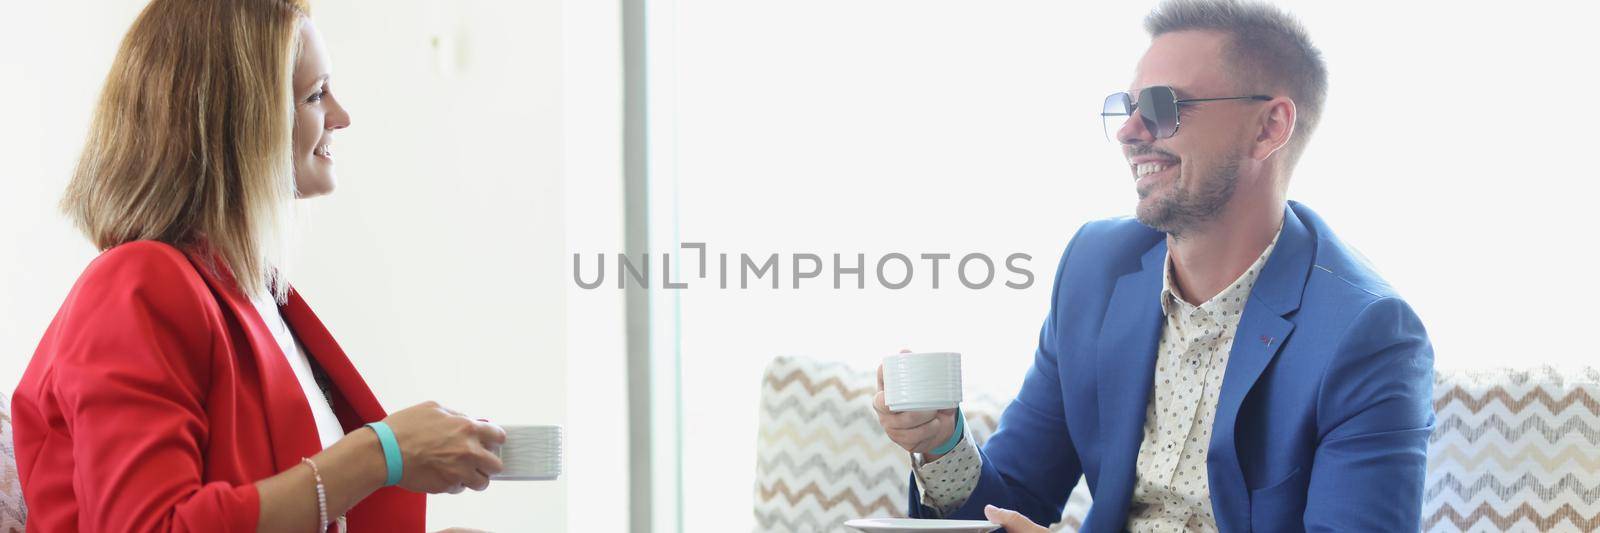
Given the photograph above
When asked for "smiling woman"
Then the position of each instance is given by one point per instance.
(185, 385)
(316, 114)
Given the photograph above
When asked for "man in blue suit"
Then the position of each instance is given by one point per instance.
(1223, 362)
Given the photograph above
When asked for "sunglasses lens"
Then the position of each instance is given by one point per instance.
(1158, 108)
(1114, 113)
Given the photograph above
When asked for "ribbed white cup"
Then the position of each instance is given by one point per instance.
(922, 381)
(531, 453)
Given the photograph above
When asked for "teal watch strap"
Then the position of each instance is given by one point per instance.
(391, 452)
(955, 438)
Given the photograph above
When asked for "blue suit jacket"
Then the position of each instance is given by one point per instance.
(1325, 409)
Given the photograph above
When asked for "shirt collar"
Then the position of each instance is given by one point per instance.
(1228, 302)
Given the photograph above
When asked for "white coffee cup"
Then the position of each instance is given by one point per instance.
(926, 381)
(531, 453)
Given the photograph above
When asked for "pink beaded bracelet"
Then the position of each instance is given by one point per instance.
(322, 500)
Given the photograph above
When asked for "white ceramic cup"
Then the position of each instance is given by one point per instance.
(926, 381)
(530, 453)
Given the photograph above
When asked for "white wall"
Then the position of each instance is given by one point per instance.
(52, 63)
(438, 263)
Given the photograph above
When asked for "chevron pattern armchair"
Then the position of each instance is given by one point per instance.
(822, 459)
(13, 514)
(1514, 450)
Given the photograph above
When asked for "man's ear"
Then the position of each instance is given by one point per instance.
(1275, 128)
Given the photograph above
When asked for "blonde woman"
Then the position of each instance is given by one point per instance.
(184, 385)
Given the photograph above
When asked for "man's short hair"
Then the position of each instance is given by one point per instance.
(1266, 49)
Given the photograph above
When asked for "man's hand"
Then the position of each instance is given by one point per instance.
(1013, 521)
(916, 431)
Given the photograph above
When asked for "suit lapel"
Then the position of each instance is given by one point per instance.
(351, 389)
(1125, 363)
(291, 430)
(290, 427)
(389, 508)
(1261, 334)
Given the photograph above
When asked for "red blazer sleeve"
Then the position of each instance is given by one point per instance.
(133, 352)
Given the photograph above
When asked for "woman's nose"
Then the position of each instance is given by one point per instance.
(338, 117)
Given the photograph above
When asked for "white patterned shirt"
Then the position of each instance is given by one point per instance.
(1171, 490)
(947, 482)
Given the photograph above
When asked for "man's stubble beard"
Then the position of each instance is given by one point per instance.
(1184, 209)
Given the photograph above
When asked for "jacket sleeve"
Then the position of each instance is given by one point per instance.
(1029, 465)
(131, 372)
(1375, 413)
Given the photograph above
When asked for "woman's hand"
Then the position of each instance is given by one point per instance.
(443, 450)
(1013, 521)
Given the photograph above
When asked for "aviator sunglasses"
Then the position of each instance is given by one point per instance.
(1157, 107)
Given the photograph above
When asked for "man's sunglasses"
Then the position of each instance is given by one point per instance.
(1157, 107)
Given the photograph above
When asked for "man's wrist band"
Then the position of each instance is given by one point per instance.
(391, 452)
(955, 438)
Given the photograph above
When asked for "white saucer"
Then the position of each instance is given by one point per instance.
(911, 525)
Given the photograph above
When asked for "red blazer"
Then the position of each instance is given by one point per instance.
(158, 397)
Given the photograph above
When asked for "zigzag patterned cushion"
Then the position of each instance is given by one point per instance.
(822, 459)
(13, 514)
(1515, 450)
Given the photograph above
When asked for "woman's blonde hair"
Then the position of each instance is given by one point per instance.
(191, 141)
